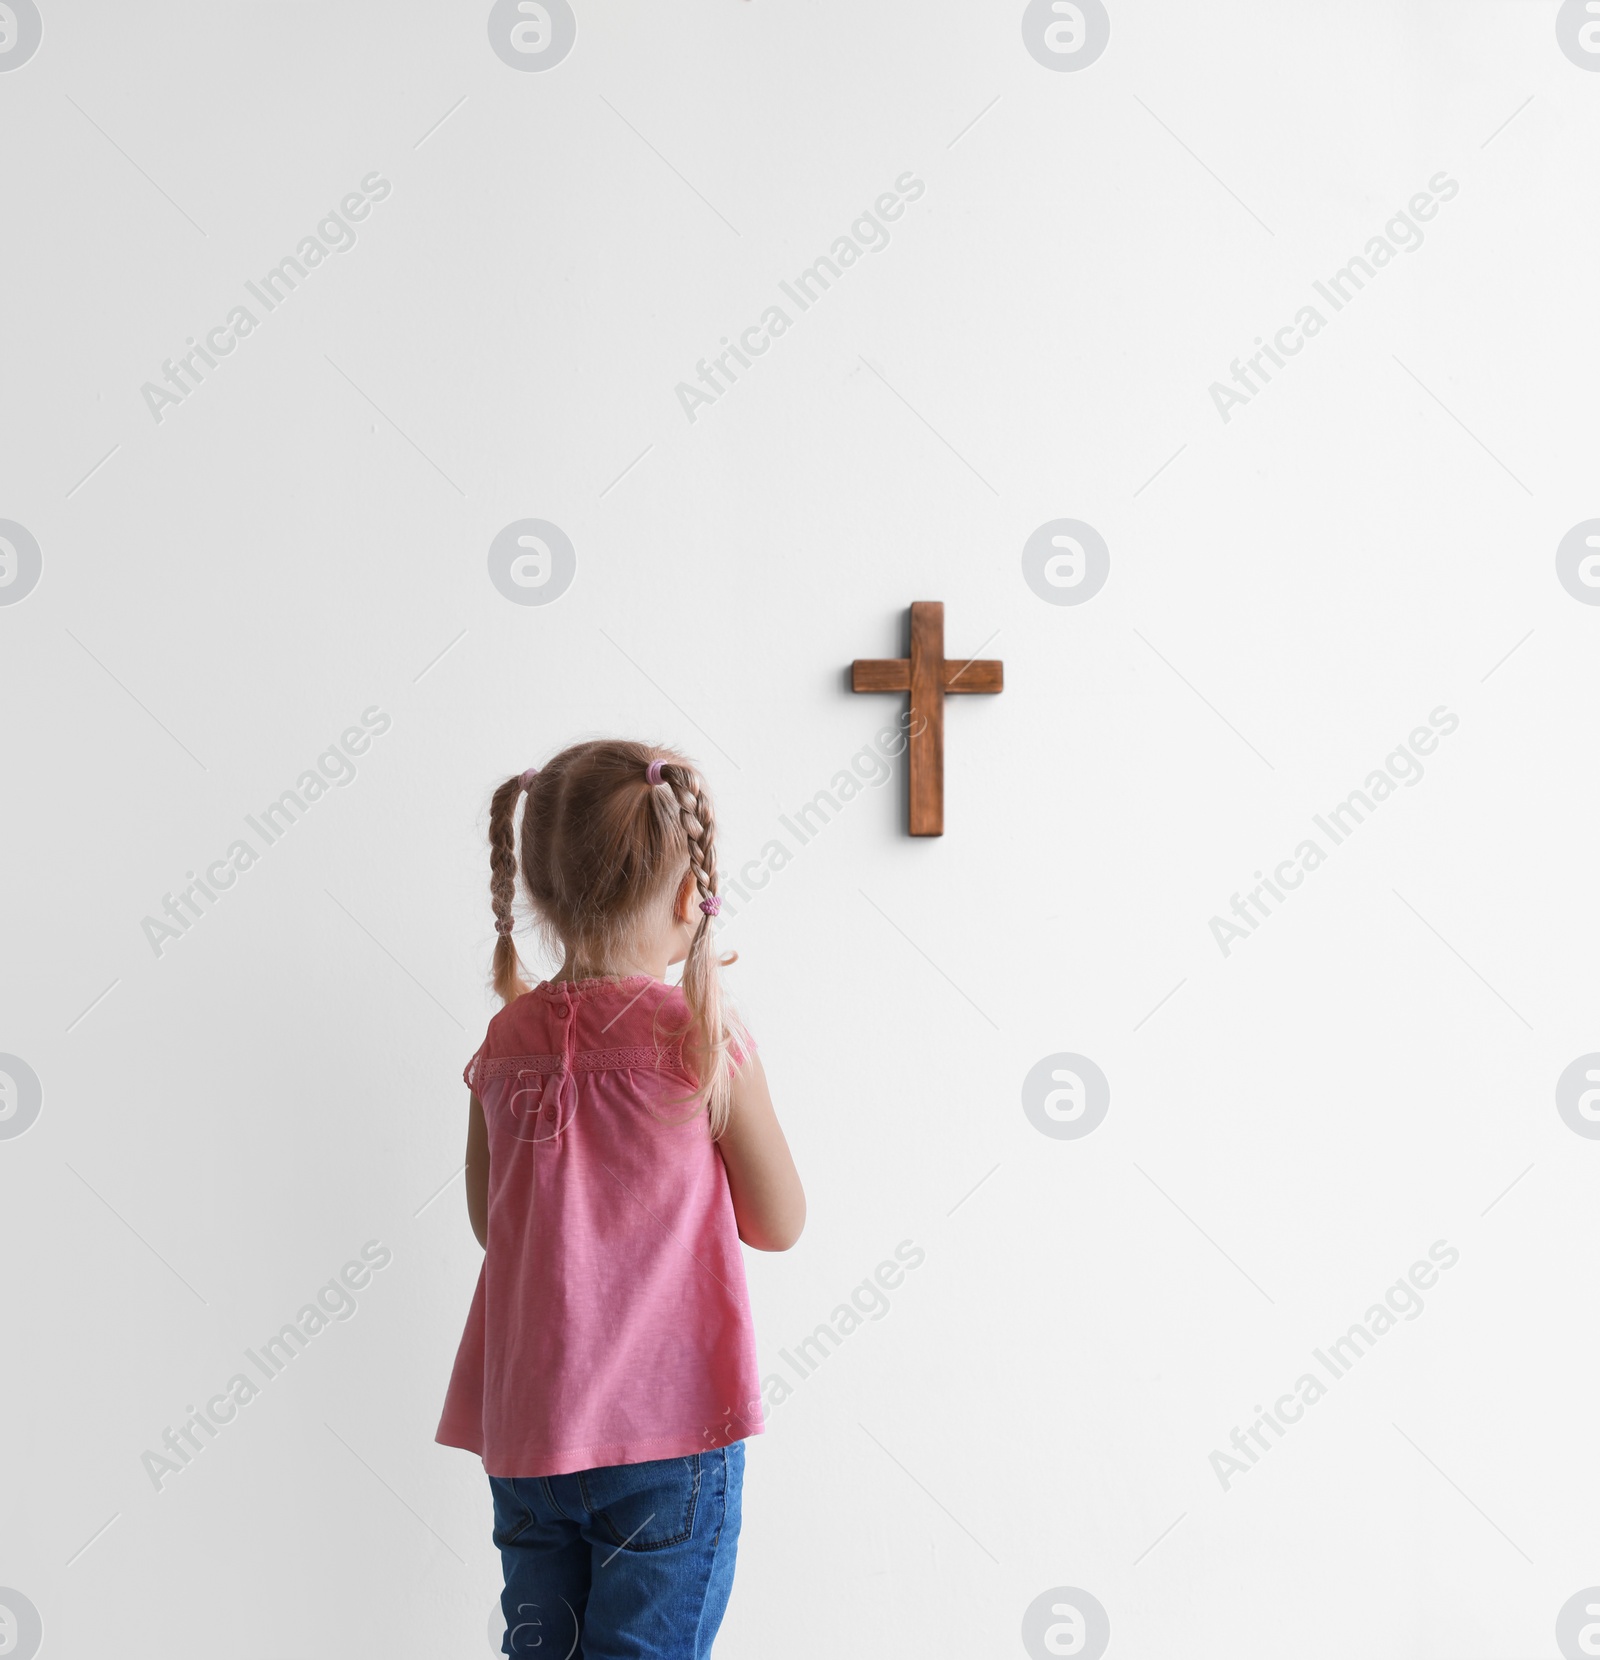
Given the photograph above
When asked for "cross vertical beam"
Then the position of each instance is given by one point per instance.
(925, 763)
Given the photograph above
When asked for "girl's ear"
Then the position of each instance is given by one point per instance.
(684, 906)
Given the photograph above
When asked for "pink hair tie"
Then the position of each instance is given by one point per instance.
(503, 925)
(526, 780)
(653, 771)
(712, 905)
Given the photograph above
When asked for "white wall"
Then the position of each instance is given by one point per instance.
(1290, 593)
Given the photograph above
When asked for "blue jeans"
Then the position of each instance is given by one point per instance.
(624, 1562)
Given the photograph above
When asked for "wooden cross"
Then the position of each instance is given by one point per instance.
(927, 674)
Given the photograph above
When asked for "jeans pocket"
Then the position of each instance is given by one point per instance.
(512, 1513)
(644, 1506)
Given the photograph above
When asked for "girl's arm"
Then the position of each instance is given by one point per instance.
(478, 1172)
(768, 1201)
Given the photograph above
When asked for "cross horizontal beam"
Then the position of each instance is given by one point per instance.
(893, 674)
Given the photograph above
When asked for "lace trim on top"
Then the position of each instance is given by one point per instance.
(652, 1057)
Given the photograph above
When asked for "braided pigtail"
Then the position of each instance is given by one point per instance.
(702, 984)
(508, 981)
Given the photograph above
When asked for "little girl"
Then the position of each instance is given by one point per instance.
(620, 1143)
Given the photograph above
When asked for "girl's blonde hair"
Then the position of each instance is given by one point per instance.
(599, 846)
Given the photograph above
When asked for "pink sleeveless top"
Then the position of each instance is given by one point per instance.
(611, 1322)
